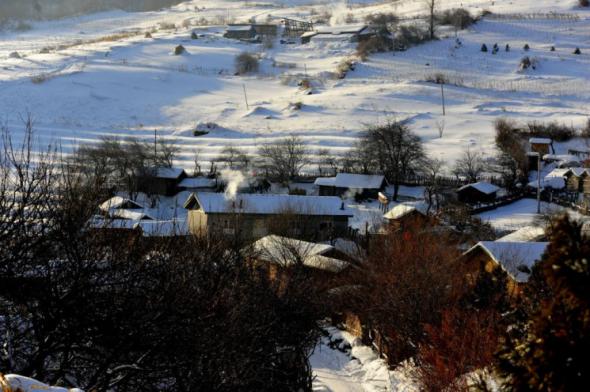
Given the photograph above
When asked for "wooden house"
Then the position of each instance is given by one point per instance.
(277, 256)
(515, 258)
(253, 216)
(407, 215)
(161, 181)
(577, 180)
(541, 145)
(479, 192)
(366, 186)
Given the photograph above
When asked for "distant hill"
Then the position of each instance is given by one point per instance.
(55, 9)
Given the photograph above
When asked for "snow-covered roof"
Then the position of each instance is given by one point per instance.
(287, 251)
(168, 228)
(524, 234)
(483, 187)
(337, 30)
(246, 27)
(557, 173)
(540, 140)
(100, 222)
(117, 202)
(197, 182)
(578, 171)
(401, 210)
(549, 182)
(129, 215)
(561, 158)
(352, 181)
(212, 203)
(168, 172)
(513, 256)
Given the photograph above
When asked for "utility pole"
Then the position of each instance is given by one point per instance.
(246, 97)
(538, 183)
(155, 146)
(442, 93)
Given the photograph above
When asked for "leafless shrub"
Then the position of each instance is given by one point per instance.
(246, 63)
(372, 45)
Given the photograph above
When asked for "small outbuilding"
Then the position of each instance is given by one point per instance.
(541, 145)
(249, 31)
(345, 33)
(479, 192)
(161, 180)
(364, 185)
(407, 215)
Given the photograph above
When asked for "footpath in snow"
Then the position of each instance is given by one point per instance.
(341, 363)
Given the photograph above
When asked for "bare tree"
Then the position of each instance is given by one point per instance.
(470, 165)
(284, 159)
(431, 9)
(397, 150)
(327, 164)
(433, 189)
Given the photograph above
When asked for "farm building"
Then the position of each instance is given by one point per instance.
(367, 186)
(577, 180)
(276, 256)
(161, 181)
(405, 215)
(250, 31)
(479, 192)
(515, 258)
(541, 145)
(253, 216)
(118, 208)
(348, 33)
(198, 184)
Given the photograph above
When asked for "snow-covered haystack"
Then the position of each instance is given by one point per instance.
(14, 55)
(180, 50)
(16, 383)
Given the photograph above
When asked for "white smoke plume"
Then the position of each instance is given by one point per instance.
(340, 13)
(234, 179)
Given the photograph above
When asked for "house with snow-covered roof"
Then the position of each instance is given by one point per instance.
(479, 192)
(365, 185)
(515, 258)
(278, 256)
(541, 145)
(253, 216)
(407, 215)
(160, 180)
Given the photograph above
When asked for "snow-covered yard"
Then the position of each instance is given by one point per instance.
(94, 85)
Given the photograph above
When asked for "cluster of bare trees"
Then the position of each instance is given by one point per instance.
(112, 311)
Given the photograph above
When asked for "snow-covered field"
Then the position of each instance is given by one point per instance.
(81, 84)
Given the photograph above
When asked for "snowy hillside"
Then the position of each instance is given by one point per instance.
(96, 75)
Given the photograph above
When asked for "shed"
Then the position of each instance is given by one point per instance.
(161, 180)
(479, 192)
(344, 33)
(541, 145)
(407, 215)
(367, 186)
(240, 31)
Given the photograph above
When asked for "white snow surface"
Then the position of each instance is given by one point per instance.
(358, 370)
(80, 80)
(352, 181)
(26, 384)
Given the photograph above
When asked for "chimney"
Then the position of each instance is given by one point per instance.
(342, 206)
(241, 204)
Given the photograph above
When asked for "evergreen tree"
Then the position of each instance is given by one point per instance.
(550, 350)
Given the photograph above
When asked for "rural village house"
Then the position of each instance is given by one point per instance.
(276, 256)
(479, 192)
(253, 216)
(366, 186)
(515, 258)
(348, 33)
(161, 181)
(407, 215)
